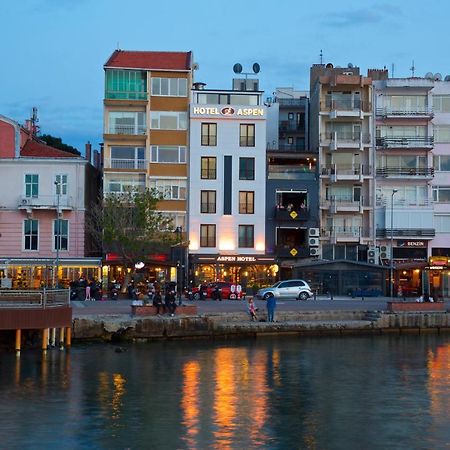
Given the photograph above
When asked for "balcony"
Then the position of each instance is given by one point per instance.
(343, 139)
(345, 204)
(300, 214)
(344, 107)
(46, 202)
(128, 164)
(296, 102)
(292, 125)
(424, 233)
(126, 95)
(127, 129)
(410, 113)
(292, 251)
(405, 172)
(347, 234)
(283, 172)
(405, 142)
(354, 172)
(289, 148)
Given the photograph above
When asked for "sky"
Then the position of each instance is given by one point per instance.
(53, 51)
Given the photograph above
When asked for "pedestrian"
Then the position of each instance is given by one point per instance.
(171, 304)
(88, 292)
(252, 310)
(271, 304)
(157, 302)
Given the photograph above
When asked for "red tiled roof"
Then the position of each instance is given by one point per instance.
(37, 149)
(150, 60)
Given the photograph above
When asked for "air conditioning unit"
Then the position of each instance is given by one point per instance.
(313, 251)
(26, 201)
(313, 242)
(313, 232)
(373, 255)
(385, 252)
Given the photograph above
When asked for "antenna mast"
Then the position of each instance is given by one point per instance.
(412, 69)
(321, 56)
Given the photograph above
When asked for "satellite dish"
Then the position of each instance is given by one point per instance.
(329, 66)
(237, 68)
(437, 76)
(195, 66)
(429, 75)
(447, 78)
(256, 68)
(350, 65)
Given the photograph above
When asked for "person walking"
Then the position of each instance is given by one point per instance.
(271, 304)
(88, 292)
(252, 310)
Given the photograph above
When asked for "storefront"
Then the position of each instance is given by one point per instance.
(247, 270)
(437, 275)
(36, 273)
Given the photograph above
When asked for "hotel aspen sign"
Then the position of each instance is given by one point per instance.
(227, 111)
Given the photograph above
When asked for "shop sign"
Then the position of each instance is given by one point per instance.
(236, 258)
(412, 244)
(436, 267)
(227, 111)
(438, 261)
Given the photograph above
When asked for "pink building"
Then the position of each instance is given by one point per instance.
(45, 195)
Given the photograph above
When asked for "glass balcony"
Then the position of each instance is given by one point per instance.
(405, 142)
(400, 172)
(125, 95)
(127, 129)
(120, 163)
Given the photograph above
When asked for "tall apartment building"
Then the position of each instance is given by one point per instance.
(292, 233)
(227, 187)
(342, 130)
(146, 135)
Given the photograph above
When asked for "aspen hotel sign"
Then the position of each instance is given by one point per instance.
(227, 111)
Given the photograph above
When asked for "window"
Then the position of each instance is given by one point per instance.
(441, 103)
(118, 183)
(246, 168)
(61, 184)
(441, 163)
(290, 116)
(127, 158)
(441, 194)
(207, 235)
(168, 120)
(208, 168)
(61, 234)
(169, 87)
(30, 233)
(442, 223)
(125, 122)
(290, 140)
(126, 84)
(246, 202)
(246, 236)
(227, 99)
(208, 202)
(170, 189)
(31, 186)
(209, 134)
(168, 154)
(176, 219)
(247, 135)
(441, 134)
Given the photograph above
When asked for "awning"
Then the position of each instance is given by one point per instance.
(62, 262)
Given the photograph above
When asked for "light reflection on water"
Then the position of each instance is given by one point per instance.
(318, 393)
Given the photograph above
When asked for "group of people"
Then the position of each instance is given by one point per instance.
(169, 305)
(271, 304)
(87, 290)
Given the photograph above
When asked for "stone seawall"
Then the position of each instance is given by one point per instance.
(229, 325)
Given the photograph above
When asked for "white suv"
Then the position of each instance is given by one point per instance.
(289, 288)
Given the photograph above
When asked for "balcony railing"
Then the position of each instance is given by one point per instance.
(120, 163)
(387, 172)
(288, 125)
(345, 201)
(292, 215)
(297, 148)
(127, 129)
(410, 112)
(125, 95)
(405, 142)
(292, 101)
(346, 136)
(346, 232)
(46, 201)
(346, 170)
(344, 104)
(25, 299)
(405, 203)
(404, 232)
(279, 172)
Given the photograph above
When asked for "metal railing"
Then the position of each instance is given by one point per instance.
(288, 125)
(345, 136)
(418, 111)
(127, 129)
(351, 232)
(120, 163)
(404, 232)
(43, 299)
(292, 101)
(405, 142)
(343, 169)
(405, 172)
(405, 203)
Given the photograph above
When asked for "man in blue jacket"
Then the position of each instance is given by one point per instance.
(271, 303)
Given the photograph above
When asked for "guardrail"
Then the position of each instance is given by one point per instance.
(43, 299)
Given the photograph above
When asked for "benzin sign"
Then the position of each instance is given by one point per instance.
(227, 111)
(236, 259)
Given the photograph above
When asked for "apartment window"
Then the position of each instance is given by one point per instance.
(442, 223)
(208, 168)
(174, 219)
(441, 163)
(127, 157)
(168, 120)
(207, 235)
(441, 194)
(30, 233)
(246, 168)
(119, 183)
(290, 116)
(126, 122)
(290, 140)
(126, 84)
(209, 134)
(168, 154)
(441, 134)
(441, 103)
(247, 135)
(61, 184)
(169, 87)
(208, 202)
(31, 185)
(61, 234)
(246, 202)
(246, 236)
(170, 189)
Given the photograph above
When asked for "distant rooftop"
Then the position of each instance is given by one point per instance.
(36, 149)
(125, 59)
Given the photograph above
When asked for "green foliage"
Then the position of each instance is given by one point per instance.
(58, 143)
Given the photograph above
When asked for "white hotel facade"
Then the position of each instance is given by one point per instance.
(227, 173)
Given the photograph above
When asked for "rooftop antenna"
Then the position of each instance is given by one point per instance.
(392, 70)
(34, 121)
(412, 69)
(321, 56)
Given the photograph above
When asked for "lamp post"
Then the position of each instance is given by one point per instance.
(391, 271)
(58, 230)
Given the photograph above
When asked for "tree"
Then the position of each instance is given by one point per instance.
(129, 224)
(58, 143)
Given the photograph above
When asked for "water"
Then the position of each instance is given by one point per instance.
(283, 393)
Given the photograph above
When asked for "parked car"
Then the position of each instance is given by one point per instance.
(298, 289)
(211, 290)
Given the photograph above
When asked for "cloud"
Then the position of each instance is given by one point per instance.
(361, 17)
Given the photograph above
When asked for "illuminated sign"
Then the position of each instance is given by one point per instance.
(412, 244)
(236, 259)
(227, 111)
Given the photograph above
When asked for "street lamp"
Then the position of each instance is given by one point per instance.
(58, 230)
(391, 272)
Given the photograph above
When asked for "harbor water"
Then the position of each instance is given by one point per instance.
(357, 393)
